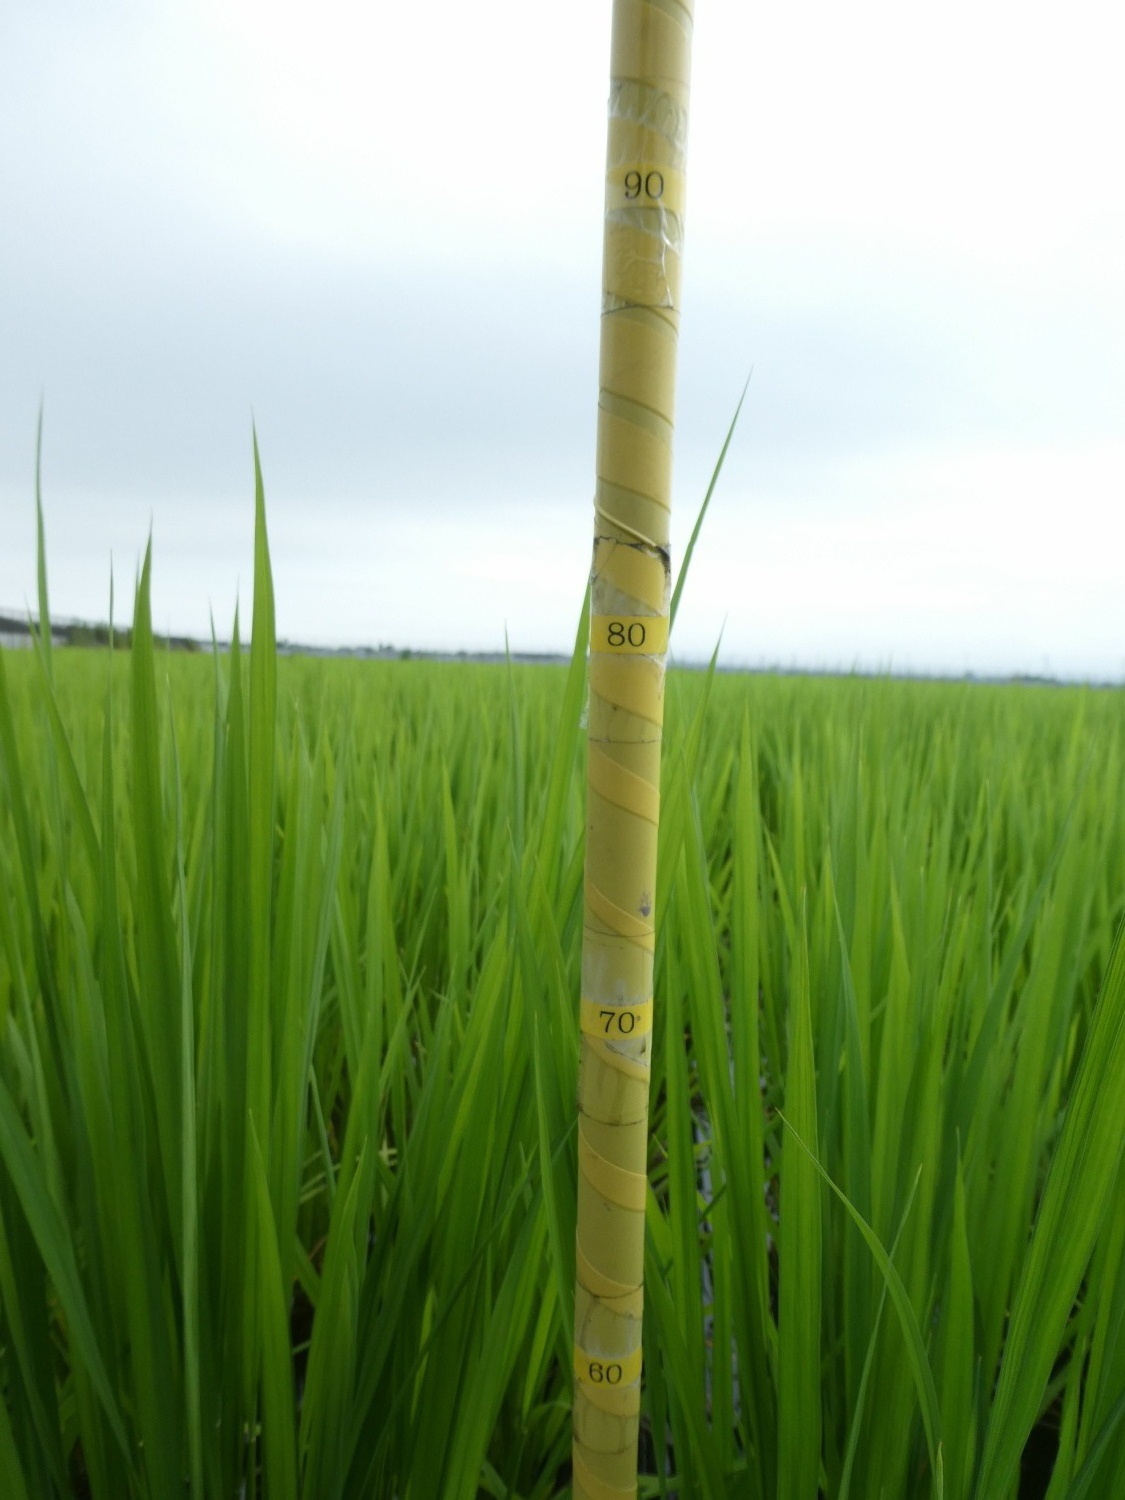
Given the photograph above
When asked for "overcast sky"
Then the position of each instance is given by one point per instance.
(375, 231)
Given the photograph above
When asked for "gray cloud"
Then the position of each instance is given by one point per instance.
(150, 299)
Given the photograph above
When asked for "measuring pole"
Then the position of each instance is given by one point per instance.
(648, 114)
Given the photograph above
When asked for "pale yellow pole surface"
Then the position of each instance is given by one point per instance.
(628, 640)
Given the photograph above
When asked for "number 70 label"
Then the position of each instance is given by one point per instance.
(616, 1022)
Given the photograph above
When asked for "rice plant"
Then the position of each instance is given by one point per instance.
(289, 983)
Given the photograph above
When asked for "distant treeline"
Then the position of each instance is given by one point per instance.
(82, 633)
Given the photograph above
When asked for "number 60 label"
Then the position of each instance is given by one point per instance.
(592, 1370)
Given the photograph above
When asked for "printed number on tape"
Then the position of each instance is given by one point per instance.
(644, 184)
(629, 635)
(616, 1021)
(601, 1370)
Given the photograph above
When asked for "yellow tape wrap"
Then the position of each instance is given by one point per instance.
(635, 685)
(632, 456)
(645, 190)
(589, 1485)
(653, 44)
(628, 1301)
(616, 1185)
(629, 572)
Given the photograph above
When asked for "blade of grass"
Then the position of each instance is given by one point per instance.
(44, 632)
(52, 1236)
(1074, 1201)
(799, 1271)
(689, 550)
(279, 1438)
(900, 1298)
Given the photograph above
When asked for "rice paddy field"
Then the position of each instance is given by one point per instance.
(289, 978)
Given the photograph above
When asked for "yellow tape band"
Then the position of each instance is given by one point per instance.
(644, 184)
(621, 786)
(620, 1402)
(609, 1371)
(620, 923)
(615, 1023)
(587, 1485)
(633, 571)
(617, 1185)
(629, 635)
(635, 684)
(629, 454)
(638, 1070)
(627, 1301)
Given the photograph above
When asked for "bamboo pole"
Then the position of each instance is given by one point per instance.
(648, 110)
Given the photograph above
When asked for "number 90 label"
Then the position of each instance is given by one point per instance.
(645, 185)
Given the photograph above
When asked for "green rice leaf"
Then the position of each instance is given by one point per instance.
(52, 1236)
(279, 1441)
(689, 550)
(919, 1364)
(1074, 1202)
(799, 1273)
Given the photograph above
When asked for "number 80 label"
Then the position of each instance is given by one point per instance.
(629, 635)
